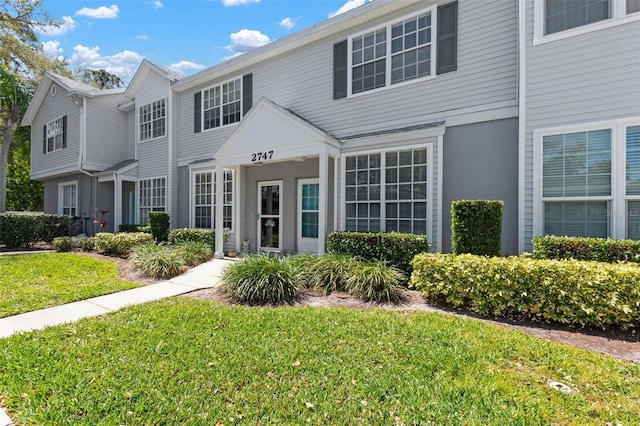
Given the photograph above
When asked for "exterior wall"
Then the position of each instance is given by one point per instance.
(130, 134)
(486, 75)
(584, 78)
(85, 191)
(481, 162)
(183, 198)
(105, 199)
(66, 159)
(105, 132)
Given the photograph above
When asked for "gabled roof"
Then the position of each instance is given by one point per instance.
(73, 88)
(146, 66)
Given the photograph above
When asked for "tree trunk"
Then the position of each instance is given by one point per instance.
(7, 138)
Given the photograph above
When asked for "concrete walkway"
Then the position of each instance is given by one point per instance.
(206, 275)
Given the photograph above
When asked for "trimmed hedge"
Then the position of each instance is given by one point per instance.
(119, 244)
(581, 248)
(24, 230)
(159, 223)
(397, 249)
(128, 227)
(567, 291)
(185, 235)
(476, 227)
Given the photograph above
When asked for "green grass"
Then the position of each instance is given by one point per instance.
(36, 281)
(186, 361)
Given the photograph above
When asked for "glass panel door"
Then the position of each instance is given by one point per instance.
(270, 207)
(308, 214)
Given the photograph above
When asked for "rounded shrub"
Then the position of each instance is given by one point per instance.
(157, 261)
(261, 280)
(62, 244)
(119, 244)
(375, 282)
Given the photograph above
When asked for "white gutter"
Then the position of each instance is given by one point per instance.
(522, 122)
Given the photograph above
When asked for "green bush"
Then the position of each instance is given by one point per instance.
(62, 244)
(119, 244)
(159, 223)
(476, 227)
(86, 243)
(194, 253)
(157, 260)
(261, 280)
(582, 248)
(567, 291)
(375, 282)
(397, 249)
(127, 227)
(24, 230)
(183, 235)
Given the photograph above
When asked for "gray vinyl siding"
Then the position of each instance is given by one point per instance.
(581, 79)
(153, 158)
(130, 134)
(183, 197)
(85, 194)
(481, 162)
(302, 81)
(105, 131)
(54, 107)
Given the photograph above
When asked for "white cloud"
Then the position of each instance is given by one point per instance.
(103, 12)
(246, 40)
(142, 37)
(289, 23)
(157, 4)
(67, 24)
(52, 50)
(238, 2)
(350, 4)
(123, 64)
(184, 66)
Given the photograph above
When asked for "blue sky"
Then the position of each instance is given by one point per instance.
(184, 35)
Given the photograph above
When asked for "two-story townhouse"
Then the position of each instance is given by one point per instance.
(374, 120)
(579, 119)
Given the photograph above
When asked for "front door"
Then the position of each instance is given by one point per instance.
(308, 214)
(269, 216)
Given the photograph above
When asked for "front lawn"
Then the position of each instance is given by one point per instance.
(187, 361)
(36, 281)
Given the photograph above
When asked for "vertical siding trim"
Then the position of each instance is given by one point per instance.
(340, 70)
(44, 140)
(447, 60)
(247, 93)
(197, 112)
(64, 131)
(522, 122)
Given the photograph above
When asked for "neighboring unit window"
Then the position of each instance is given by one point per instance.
(204, 192)
(561, 15)
(576, 182)
(55, 134)
(222, 104)
(69, 199)
(310, 214)
(632, 182)
(401, 206)
(152, 197)
(153, 120)
(633, 6)
(397, 53)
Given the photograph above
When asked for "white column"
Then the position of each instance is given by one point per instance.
(219, 252)
(323, 200)
(117, 203)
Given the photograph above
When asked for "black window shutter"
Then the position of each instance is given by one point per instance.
(44, 139)
(447, 38)
(247, 93)
(64, 131)
(197, 112)
(340, 70)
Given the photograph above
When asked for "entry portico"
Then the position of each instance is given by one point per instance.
(291, 166)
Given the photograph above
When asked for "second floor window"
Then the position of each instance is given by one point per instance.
(222, 105)
(153, 120)
(54, 135)
(562, 15)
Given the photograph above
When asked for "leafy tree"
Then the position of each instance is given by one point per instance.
(23, 194)
(101, 79)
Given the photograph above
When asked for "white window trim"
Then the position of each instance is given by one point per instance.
(434, 49)
(617, 199)
(138, 195)
(618, 17)
(61, 135)
(221, 118)
(192, 196)
(61, 187)
(166, 121)
(431, 177)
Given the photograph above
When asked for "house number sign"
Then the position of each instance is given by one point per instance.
(261, 156)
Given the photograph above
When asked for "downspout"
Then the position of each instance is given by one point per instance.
(522, 122)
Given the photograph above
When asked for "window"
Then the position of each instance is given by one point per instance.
(387, 191)
(55, 135)
(152, 197)
(68, 198)
(633, 6)
(590, 182)
(222, 105)
(399, 52)
(153, 120)
(204, 202)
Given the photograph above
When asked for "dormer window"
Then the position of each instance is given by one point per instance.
(153, 120)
